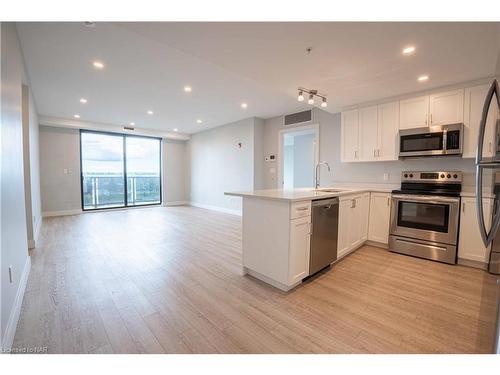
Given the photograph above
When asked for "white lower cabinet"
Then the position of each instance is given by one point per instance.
(353, 222)
(470, 244)
(380, 213)
(300, 242)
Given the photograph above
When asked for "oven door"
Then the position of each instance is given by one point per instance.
(425, 217)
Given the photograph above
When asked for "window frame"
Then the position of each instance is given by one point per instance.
(125, 190)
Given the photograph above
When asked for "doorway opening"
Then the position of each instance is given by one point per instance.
(299, 154)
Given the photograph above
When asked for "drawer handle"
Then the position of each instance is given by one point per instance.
(302, 208)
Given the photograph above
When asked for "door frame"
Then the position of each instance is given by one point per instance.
(281, 136)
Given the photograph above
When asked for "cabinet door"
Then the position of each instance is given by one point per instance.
(368, 133)
(470, 244)
(474, 101)
(349, 136)
(387, 135)
(380, 212)
(362, 217)
(446, 107)
(345, 220)
(300, 236)
(413, 112)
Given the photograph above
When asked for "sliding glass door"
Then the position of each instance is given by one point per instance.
(119, 170)
(143, 171)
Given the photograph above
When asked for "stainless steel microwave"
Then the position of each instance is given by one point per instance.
(444, 140)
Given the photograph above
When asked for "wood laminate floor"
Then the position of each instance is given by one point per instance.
(168, 280)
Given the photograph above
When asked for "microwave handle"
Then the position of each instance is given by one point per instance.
(445, 139)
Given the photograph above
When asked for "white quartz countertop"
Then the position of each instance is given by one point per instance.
(312, 194)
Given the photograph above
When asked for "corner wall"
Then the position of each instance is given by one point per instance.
(218, 164)
(14, 244)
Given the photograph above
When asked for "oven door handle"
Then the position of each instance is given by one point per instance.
(425, 198)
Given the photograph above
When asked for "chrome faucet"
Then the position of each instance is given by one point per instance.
(316, 173)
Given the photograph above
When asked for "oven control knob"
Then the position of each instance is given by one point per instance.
(411, 175)
(455, 176)
(442, 175)
(406, 175)
(448, 175)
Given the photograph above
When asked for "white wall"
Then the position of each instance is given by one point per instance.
(14, 244)
(174, 181)
(329, 134)
(31, 155)
(219, 165)
(59, 150)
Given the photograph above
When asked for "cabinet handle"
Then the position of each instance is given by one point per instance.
(463, 207)
(431, 118)
(353, 203)
(388, 201)
(426, 115)
(374, 152)
(489, 147)
(355, 154)
(302, 208)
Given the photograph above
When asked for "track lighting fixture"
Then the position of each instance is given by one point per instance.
(312, 94)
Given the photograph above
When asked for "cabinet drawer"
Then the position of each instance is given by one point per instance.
(300, 209)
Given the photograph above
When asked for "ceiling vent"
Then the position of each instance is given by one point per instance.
(297, 118)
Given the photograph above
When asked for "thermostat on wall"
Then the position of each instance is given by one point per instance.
(270, 157)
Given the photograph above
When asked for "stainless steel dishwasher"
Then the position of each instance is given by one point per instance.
(325, 227)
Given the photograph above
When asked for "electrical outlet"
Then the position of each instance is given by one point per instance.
(10, 274)
(386, 176)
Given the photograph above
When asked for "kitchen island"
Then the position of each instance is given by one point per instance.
(277, 227)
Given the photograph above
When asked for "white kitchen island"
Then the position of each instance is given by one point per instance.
(277, 229)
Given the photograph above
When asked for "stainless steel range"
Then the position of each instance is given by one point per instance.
(425, 215)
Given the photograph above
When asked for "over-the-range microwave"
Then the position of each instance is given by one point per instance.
(443, 140)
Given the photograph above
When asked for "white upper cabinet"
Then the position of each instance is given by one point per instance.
(368, 133)
(446, 108)
(413, 112)
(473, 108)
(387, 134)
(349, 136)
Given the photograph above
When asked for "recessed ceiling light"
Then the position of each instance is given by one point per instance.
(175, 129)
(98, 65)
(423, 78)
(132, 123)
(199, 121)
(244, 105)
(76, 116)
(89, 24)
(408, 50)
(150, 112)
(187, 88)
(83, 100)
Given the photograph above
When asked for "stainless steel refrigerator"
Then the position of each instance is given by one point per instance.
(488, 179)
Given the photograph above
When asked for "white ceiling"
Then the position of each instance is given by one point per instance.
(148, 64)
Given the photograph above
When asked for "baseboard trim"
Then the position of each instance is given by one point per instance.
(377, 244)
(472, 263)
(61, 213)
(175, 203)
(10, 330)
(216, 208)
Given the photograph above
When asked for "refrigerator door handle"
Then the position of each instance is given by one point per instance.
(495, 223)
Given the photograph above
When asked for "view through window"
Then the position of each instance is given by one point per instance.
(119, 170)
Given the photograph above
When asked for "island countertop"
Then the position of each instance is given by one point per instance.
(313, 194)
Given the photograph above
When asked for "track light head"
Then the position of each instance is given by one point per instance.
(300, 98)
